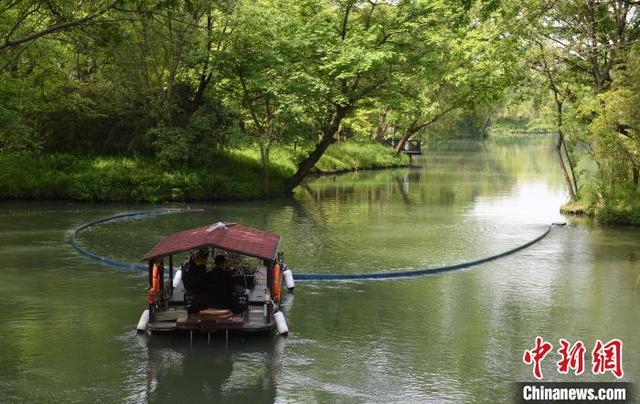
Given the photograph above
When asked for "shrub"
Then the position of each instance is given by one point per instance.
(173, 145)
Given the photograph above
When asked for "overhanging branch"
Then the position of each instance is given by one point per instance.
(8, 43)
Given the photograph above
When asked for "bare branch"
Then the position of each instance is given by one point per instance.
(56, 28)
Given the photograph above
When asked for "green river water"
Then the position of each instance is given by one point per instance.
(67, 334)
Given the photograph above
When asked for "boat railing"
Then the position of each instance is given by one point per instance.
(161, 301)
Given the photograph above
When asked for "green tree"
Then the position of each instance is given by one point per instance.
(22, 22)
(462, 68)
(618, 123)
(578, 45)
(355, 51)
(257, 64)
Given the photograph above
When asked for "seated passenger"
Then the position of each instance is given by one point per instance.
(219, 284)
(194, 275)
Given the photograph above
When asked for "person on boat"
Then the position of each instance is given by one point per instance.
(194, 278)
(219, 283)
(195, 272)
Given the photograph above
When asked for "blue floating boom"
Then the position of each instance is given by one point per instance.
(423, 271)
(300, 276)
(73, 239)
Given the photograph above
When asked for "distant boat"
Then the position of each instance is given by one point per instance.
(231, 280)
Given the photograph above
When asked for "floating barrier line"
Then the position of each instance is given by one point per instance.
(73, 239)
(420, 272)
(297, 276)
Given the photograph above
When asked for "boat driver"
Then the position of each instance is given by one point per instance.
(195, 276)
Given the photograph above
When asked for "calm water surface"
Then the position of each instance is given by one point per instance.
(67, 332)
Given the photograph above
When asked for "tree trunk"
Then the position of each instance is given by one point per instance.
(264, 159)
(198, 97)
(383, 124)
(406, 137)
(572, 166)
(7, 43)
(328, 137)
(567, 179)
(205, 76)
(415, 128)
(177, 55)
(559, 145)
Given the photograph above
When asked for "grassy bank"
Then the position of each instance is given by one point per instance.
(623, 209)
(229, 175)
(602, 199)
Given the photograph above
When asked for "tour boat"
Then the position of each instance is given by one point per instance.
(231, 280)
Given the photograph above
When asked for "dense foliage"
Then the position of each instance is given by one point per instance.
(178, 83)
(586, 54)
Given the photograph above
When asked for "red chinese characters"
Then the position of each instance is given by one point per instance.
(608, 357)
(536, 355)
(572, 357)
(605, 357)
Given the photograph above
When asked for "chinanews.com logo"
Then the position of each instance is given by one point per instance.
(604, 358)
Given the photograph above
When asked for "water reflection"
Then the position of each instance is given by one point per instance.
(438, 213)
(170, 369)
(68, 337)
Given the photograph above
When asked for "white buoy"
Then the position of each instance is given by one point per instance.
(144, 320)
(177, 278)
(281, 323)
(178, 288)
(288, 279)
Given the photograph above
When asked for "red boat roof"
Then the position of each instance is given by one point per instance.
(227, 236)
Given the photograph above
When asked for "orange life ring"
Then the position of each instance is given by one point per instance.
(156, 278)
(277, 282)
(155, 283)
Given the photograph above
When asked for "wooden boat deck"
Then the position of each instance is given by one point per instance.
(175, 319)
(172, 314)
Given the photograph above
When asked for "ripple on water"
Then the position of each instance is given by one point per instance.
(450, 337)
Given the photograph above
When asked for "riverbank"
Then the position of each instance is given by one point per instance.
(620, 211)
(229, 175)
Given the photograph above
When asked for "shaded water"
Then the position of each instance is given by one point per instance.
(67, 329)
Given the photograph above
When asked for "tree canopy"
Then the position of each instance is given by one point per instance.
(179, 79)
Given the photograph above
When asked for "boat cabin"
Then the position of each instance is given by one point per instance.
(230, 279)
